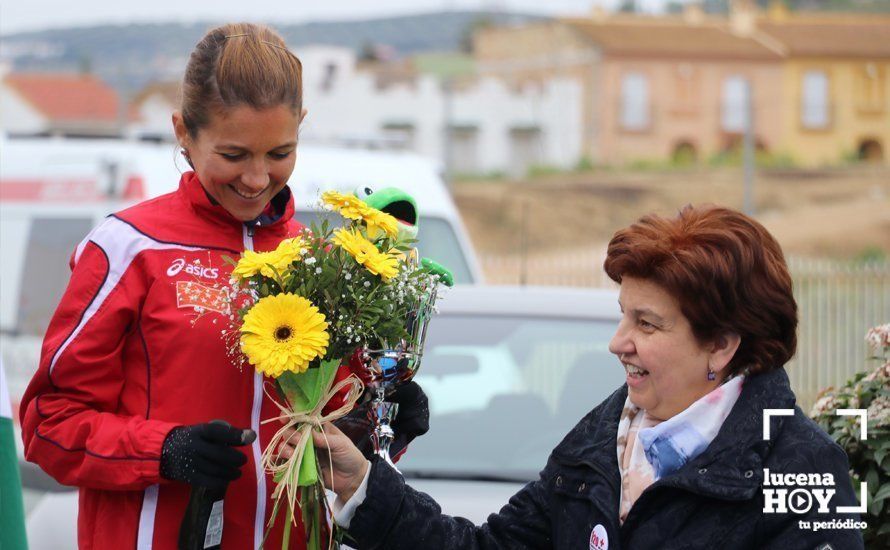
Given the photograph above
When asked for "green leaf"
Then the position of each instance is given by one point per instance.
(872, 477)
(882, 493)
(875, 507)
(881, 453)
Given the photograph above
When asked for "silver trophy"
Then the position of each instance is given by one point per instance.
(387, 368)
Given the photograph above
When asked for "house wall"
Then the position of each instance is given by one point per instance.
(539, 52)
(17, 116)
(685, 106)
(853, 116)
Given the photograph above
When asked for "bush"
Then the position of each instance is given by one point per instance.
(870, 254)
(584, 164)
(869, 459)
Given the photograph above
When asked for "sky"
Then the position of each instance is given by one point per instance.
(25, 15)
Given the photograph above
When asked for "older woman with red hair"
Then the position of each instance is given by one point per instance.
(678, 456)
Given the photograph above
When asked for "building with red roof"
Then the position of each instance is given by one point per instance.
(59, 104)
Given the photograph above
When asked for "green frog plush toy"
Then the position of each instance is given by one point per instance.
(402, 206)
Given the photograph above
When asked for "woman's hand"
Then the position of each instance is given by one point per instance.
(332, 447)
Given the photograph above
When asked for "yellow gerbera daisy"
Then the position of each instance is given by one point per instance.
(263, 263)
(290, 248)
(353, 208)
(385, 264)
(283, 333)
(349, 206)
(381, 221)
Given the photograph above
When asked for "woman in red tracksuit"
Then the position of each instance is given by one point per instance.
(134, 365)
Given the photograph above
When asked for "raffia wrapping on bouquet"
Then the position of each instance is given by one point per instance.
(303, 421)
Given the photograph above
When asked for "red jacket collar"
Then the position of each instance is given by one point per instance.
(190, 186)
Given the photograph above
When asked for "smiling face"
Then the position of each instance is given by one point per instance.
(667, 368)
(244, 156)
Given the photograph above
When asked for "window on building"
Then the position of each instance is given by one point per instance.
(526, 149)
(635, 102)
(400, 135)
(735, 106)
(814, 105)
(870, 87)
(464, 148)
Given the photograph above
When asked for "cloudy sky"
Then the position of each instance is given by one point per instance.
(23, 15)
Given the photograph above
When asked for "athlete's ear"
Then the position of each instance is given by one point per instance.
(180, 130)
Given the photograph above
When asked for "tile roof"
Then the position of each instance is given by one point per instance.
(672, 36)
(170, 91)
(835, 37)
(67, 97)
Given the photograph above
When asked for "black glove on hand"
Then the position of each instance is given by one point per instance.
(412, 420)
(202, 454)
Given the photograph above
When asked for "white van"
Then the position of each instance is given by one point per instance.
(53, 191)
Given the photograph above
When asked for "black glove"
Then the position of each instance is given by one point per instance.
(412, 419)
(202, 454)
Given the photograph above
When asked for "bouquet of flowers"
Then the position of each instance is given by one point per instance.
(307, 306)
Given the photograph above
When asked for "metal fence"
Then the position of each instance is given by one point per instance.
(838, 302)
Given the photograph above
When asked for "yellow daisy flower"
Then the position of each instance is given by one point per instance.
(353, 208)
(351, 241)
(252, 263)
(385, 264)
(349, 206)
(290, 248)
(381, 221)
(283, 333)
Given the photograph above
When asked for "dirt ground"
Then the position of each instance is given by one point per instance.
(831, 213)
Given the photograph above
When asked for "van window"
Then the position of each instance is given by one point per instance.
(435, 239)
(51, 241)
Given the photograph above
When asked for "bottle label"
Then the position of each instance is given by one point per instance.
(213, 536)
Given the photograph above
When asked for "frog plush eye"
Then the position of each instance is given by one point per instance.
(363, 192)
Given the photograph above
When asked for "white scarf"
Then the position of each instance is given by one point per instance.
(650, 449)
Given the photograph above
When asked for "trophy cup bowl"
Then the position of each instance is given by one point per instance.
(384, 369)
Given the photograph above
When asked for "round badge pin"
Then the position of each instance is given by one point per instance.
(599, 539)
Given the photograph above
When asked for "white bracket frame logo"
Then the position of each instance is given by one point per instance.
(863, 435)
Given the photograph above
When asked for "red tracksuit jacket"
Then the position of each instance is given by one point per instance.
(127, 357)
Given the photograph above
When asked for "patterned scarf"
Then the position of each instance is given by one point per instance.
(650, 449)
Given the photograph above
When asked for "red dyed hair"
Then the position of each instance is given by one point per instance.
(727, 273)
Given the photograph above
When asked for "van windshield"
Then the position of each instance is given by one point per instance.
(435, 239)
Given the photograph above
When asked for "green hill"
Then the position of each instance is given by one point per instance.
(129, 56)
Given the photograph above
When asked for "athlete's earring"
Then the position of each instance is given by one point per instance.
(188, 159)
(711, 375)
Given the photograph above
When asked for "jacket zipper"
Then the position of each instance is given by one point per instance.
(248, 230)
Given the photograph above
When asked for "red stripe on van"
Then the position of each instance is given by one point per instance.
(50, 190)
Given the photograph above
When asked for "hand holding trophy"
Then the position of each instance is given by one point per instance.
(384, 369)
